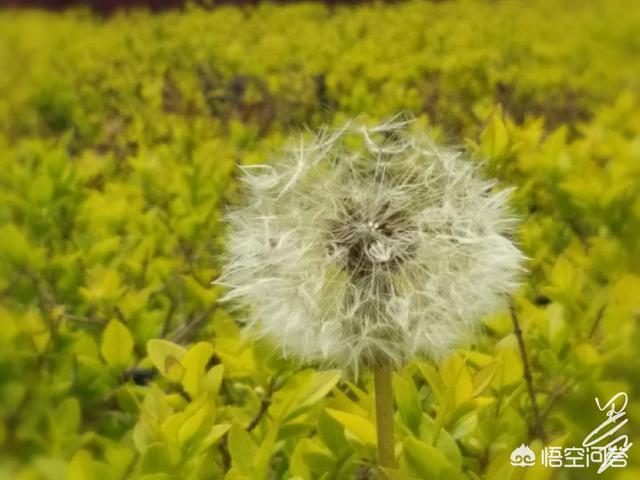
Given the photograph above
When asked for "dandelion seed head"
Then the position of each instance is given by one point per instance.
(367, 244)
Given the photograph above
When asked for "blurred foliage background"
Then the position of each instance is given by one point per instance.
(119, 137)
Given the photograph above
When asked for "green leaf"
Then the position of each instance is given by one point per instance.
(203, 296)
(511, 369)
(302, 391)
(320, 386)
(626, 292)
(235, 474)
(408, 401)
(266, 449)
(243, 449)
(433, 379)
(194, 363)
(119, 458)
(155, 459)
(483, 377)
(445, 444)
(213, 380)
(587, 354)
(67, 417)
(363, 428)
(166, 357)
(216, 433)
(156, 476)
(566, 280)
(41, 190)
(117, 344)
(332, 434)
(103, 285)
(17, 249)
(310, 457)
(425, 461)
(81, 466)
(193, 423)
(458, 379)
(494, 139)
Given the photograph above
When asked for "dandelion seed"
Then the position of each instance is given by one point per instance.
(367, 245)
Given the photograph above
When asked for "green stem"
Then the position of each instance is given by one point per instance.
(384, 414)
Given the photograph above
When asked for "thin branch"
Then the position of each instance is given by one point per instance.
(558, 392)
(118, 313)
(82, 319)
(224, 451)
(130, 468)
(596, 322)
(184, 333)
(264, 406)
(167, 319)
(538, 429)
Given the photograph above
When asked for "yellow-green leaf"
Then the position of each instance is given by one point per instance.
(242, 448)
(363, 428)
(494, 139)
(193, 423)
(81, 466)
(117, 344)
(166, 357)
(194, 363)
(408, 401)
(425, 461)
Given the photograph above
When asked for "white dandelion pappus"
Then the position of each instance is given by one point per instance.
(369, 244)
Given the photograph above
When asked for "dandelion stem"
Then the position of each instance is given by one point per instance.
(384, 414)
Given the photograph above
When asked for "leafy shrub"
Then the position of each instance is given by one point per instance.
(118, 141)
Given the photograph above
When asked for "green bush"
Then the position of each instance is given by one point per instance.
(118, 143)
